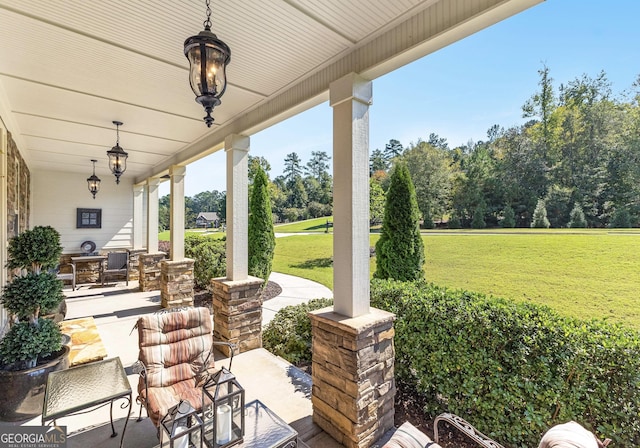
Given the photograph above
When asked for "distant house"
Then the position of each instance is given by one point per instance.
(208, 219)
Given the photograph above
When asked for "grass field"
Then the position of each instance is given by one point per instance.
(164, 236)
(309, 225)
(588, 274)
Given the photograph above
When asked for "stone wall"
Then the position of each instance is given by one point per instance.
(237, 312)
(150, 272)
(18, 190)
(134, 260)
(176, 284)
(353, 375)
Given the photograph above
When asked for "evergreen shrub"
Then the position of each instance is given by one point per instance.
(262, 241)
(621, 219)
(508, 218)
(577, 219)
(210, 261)
(513, 369)
(400, 250)
(288, 334)
(540, 220)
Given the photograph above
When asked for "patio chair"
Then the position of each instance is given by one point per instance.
(117, 263)
(65, 275)
(175, 359)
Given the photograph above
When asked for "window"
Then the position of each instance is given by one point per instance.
(88, 218)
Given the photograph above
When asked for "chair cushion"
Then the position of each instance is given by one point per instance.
(408, 436)
(161, 399)
(568, 435)
(175, 347)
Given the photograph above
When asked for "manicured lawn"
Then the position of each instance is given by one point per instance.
(164, 236)
(309, 225)
(582, 274)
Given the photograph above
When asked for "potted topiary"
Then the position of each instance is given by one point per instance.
(32, 347)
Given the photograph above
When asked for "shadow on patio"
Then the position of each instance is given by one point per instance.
(283, 388)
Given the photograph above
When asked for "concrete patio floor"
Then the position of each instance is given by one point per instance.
(279, 385)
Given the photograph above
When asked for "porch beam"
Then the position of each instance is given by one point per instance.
(237, 150)
(350, 98)
(176, 174)
(152, 215)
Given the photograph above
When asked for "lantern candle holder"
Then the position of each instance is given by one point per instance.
(223, 410)
(182, 427)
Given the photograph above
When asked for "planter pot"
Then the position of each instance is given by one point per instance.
(22, 391)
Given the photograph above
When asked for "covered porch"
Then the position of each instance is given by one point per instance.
(70, 69)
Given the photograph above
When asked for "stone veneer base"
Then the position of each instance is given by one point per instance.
(237, 313)
(353, 375)
(149, 268)
(176, 283)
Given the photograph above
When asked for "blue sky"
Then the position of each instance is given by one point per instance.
(462, 90)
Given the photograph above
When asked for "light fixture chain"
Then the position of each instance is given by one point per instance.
(207, 23)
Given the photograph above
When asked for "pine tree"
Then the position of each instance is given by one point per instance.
(400, 250)
(540, 220)
(576, 218)
(621, 219)
(262, 241)
(509, 218)
(478, 221)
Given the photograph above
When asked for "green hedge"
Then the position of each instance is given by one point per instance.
(513, 369)
(288, 334)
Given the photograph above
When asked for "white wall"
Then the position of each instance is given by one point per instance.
(56, 196)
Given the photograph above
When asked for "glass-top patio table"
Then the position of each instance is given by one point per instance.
(89, 385)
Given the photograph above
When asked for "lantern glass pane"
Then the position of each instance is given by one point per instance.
(193, 54)
(216, 81)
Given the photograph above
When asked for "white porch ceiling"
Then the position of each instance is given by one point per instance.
(68, 68)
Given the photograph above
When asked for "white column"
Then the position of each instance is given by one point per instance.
(237, 149)
(350, 97)
(176, 224)
(152, 215)
(138, 216)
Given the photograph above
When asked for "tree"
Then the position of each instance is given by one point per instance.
(478, 221)
(430, 169)
(292, 169)
(576, 218)
(318, 165)
(376, 202)
(393, 149)
(621, 219)
(540, 220)
(508, 218)
(262, 241)
(400, 250)
(377, 162)
(256, 162)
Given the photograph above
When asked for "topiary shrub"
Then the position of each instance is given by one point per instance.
(400, 250)
(262, 242)
(26, 340)
(32, 293)
(288, 335)
(515, 368)
(210, 261)
(191, 240)
(35, 249)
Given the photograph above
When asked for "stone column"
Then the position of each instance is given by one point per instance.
(237, 312)
(177, 174)
(176, 283)
(150, 272)
(134, 263)
(152, 215)
(353, 375)
(138, 216)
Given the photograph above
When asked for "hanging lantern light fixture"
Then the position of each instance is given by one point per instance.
(208, 58)
(117, 156)
(93, 181)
